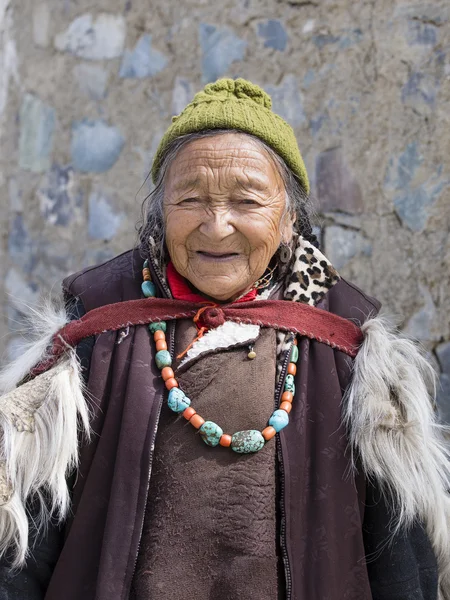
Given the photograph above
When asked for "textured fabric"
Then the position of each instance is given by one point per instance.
(236, 104)
(210, 526)
(182, 291)
(305, 320)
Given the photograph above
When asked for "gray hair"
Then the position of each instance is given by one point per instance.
(298, 203)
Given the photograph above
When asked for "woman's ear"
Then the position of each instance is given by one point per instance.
(287, 228)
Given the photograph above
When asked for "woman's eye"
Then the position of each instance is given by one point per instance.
(248, 201)
(189, 200)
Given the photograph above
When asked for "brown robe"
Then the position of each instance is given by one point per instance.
(320, 502)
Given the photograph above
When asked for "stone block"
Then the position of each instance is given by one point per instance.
(287, 100)
(341, 245)
(37, 126)
(21, 247)
(220, 48)
(15, 196)
(419, 92)
(143, 60)
(92, 80)
(41, 25)
(22, 294)
(59, 199)
(94, 39)
(95, 146)
(182, 94)
(422, 324)
(273, 33)
(337, 189)
(104, 220)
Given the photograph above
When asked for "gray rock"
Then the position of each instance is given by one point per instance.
(443, 355)
(104, 221)
(143, 61)
(421, 34)
(94, 39)
(273, 33)
(443, 398)
(41, 25)
(401, 173)
(182, 94)
(220, 48)
(22, 294)
(422, 323)
(412, 208)
(341, 245)
(58, 197)
(287, 100)
(95, 146)
(337, 189)
(96, 256)
(37, 125)
(419, 92)
(15, 196)
(92, 80)
(21, 247)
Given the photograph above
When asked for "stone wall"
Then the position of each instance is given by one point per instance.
(87, 89)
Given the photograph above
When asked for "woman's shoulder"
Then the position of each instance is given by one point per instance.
(114, 280)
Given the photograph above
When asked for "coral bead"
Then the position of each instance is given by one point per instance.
(171, 383)
(287, 397)
(268, 433)
(287, 406)
(292, 369)
(167, 373)
(159, 335)
(189, 413)
(196, 421)
(225, 440)
(161, 345)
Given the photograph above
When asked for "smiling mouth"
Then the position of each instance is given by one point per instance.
(217, 256)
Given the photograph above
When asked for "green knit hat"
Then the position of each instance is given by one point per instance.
(236, 104)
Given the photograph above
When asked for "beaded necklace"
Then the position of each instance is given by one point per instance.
(243, 442)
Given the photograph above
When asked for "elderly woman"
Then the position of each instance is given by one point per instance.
(247, 427)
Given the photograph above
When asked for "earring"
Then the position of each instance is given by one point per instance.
(285, 253)
(252, 354)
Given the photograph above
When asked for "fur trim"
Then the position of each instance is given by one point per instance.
(224, 336)
(44, 322)
(389, 413)
(39, 449)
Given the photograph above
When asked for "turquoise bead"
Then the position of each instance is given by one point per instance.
(177, 400)
(148, 289)
(211, 433)
(294, 354)
(279, 420)
(159, 326)
(245, 442)
(289, 385)
(163, 359)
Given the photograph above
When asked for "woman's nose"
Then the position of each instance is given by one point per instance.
(217, 224)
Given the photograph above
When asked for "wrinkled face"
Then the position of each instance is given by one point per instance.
(224, 201)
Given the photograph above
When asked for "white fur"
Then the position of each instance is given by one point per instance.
(224, 336)
(392, 426)
(37, 459)
(44, 322)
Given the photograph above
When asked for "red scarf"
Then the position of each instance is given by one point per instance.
(181, 290)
